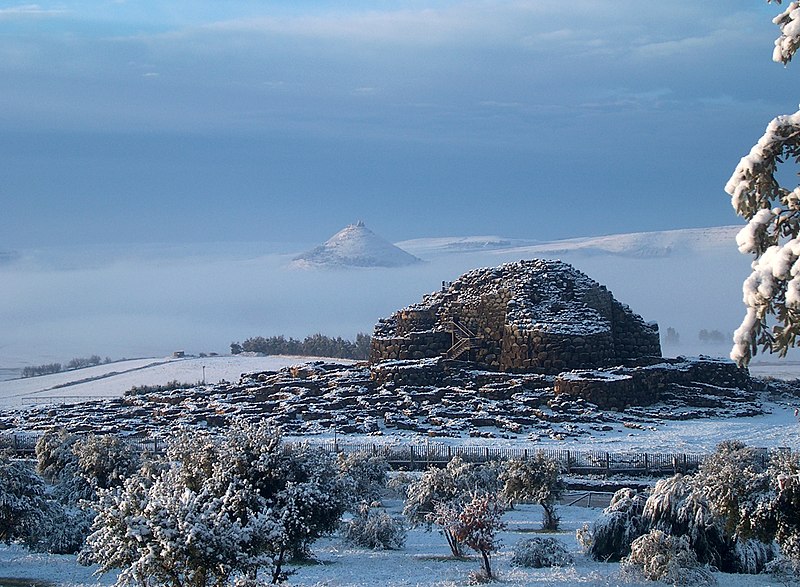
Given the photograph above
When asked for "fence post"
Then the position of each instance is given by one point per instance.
(569, 462)
(487, 453)
(646, 462)
(525, 454)
(411, 465)
(449, 453)
(608, 463)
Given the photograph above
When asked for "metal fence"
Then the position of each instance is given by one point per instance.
(421, 456)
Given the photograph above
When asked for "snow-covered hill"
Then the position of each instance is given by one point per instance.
(640, 245)
(355, 246)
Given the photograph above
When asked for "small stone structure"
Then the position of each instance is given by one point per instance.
(531, 316)
(644, 385)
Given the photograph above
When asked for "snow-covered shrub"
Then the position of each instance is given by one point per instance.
(536, 479)
(374, 528)
(784, 570)
(677, 508)
(369, 474)
(447, 489)
(477, 525)
(751, 556)
(63, 529)
(734, 480)
(397, 485)
(617, 527)
(684, 506)
(22, 501)
(540, 552)
(79, 465)
(657, 556)
(105, 460)
(217, 507)
(58, 464)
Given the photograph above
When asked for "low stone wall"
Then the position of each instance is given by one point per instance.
(411, 320)
(421, 345)
(416, 373)
(604, 389)
(620, 387)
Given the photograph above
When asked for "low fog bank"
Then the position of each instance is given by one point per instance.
(56, 305)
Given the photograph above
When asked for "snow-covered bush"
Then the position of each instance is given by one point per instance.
(617, 527)
(657, 556)
(676, 508)
(58, 464)
(439, 490)
(105, 460)
(734, 480)
(374, 528)
(771, 293)
(536, 479)
(79, 465)
(217, 507)
(477, 525)
(781, 515)
(22, 501)
(63, 528)
(784, 570)
(369, 474)
(397, 485)
(30, 516)
(540, 552)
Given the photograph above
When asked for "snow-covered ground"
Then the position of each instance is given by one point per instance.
(425, 560)
(778, 427)
(114, 379)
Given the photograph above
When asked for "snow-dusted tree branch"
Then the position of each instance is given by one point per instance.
(771, 293)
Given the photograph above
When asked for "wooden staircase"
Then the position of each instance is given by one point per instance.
(464, 340)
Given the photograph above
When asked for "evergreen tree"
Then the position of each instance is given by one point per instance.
(772, 291)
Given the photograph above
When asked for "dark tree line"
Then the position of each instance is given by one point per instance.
(77, 363)
(316, 345)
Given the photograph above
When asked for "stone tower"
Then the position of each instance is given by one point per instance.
(530, 316)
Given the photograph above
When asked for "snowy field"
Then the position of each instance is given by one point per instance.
(114, 379)
(425, 560)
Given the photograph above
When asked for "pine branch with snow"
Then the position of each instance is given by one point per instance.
(771, 293)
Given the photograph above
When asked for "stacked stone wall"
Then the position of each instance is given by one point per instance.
(642, 386)
(550, 353)
(606, 390)
(417, 345)
(414, 373)
(632, 337)
(412, 320)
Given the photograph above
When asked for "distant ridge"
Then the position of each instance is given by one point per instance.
(354, 246)
(643, 245)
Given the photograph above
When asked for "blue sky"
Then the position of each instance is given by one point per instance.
(145, 122)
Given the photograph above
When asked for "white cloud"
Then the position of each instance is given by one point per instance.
(29, 10)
